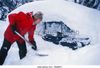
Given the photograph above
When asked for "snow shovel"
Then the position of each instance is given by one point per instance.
(38, 54)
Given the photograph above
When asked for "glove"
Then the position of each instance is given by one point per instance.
(13, 27)
(34, 45)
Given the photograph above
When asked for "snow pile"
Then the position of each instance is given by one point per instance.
(78, 17)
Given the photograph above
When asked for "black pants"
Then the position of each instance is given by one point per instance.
(5, 48)
(22, 49)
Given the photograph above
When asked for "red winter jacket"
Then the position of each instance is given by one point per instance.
(23, 23)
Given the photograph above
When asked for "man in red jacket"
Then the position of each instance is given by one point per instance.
(22, 23)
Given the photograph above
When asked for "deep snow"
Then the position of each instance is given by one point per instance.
(83, 19)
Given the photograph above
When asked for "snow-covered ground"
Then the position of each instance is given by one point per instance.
(77, 17)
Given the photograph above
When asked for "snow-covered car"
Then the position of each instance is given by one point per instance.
(59, 33)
